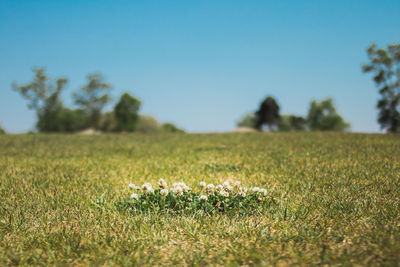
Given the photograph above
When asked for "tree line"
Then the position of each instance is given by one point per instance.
(44, 96)
(322, 116)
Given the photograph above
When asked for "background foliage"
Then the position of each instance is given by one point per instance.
(43, 96)
(385, 66)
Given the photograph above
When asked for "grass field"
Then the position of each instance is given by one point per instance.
(337, 195)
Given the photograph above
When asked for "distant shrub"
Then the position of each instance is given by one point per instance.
(171, 128)
(2, 131)
(322, 116)
(62, 119)
(145, 124)
(291, 123)
(249, 121)
(72, 120)
(148, 124)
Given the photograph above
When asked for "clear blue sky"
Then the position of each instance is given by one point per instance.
(199, 64)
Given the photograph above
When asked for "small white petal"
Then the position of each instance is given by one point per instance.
(203, 198)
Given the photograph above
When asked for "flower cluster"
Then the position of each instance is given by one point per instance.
(225, 197)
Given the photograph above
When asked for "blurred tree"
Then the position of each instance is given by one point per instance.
(267, 114)
(126, 113)
(93, 97)
(171, 128)
(322, 116)
(249, 121)
(291, 123)
(385, 65)
(44, 98)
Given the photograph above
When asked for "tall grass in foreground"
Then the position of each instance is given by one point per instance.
(336, 199)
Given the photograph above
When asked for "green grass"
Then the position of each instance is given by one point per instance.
(337, 199)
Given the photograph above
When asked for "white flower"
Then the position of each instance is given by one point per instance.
(183, 187)
(162, 183)
(203, 198)
(203, 184)
(210, 187)
(132, 186)
(147, 188)
(263, 191)
(226, 184)
(164, 192)
(224, 193)
(255, 189)
(243, 189)
(236, 184)
(135, 196)
(229, 188)
(177, 190)
(219, 188)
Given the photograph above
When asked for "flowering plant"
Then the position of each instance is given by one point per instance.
(231, 198)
